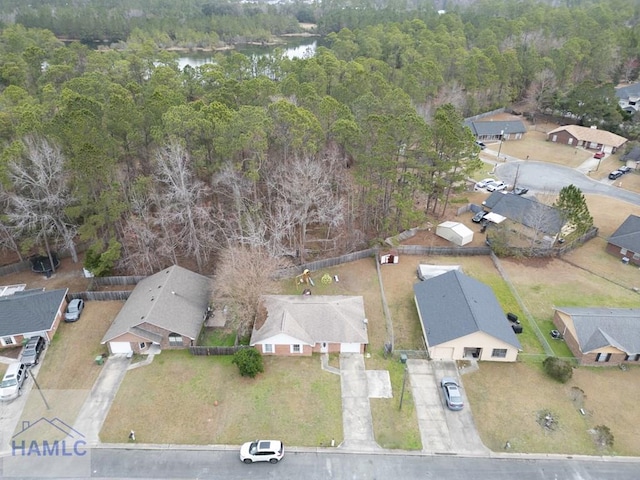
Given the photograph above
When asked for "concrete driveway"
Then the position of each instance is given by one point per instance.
(441, 430)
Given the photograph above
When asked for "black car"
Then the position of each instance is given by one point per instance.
(32, 350)
(615, 174)
(477, 218)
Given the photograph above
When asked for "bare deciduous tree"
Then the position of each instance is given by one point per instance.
(305, 194)
(182, 211)
(36, 205)
(243, 275)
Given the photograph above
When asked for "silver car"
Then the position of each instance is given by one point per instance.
(452, 394)
(74, 310)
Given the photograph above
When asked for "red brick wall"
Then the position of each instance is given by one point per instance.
(164, 344)
(615, 251)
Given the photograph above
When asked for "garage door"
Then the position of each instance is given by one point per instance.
(349, 348)
(120, 347)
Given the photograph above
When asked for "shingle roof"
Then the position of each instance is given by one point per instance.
(496, 127)
(632, 90)
(593, 135)
(526, 211)
(453, 305)
(314, 318)
(633, 154)
(628, 234)
(30, 311)
(174, 299)
(602, 327)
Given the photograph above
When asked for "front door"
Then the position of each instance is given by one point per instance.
(324, 347)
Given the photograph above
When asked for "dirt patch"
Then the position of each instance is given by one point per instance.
(68, 275)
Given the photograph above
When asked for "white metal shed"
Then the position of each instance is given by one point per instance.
(455, 232)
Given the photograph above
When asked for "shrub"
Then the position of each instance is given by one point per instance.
(603, 436)
(249, 362)
(558, 369)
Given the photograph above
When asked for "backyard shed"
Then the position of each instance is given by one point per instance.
(455, 232)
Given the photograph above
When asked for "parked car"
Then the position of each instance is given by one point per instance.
(485, 182)
(599, 155)
(615, 174)
(624, 169)
(452, 394)
(270, 451)
(12, 381)
(32, 350)
(481, 145)
(74, 310)
(520, 190)
(496, 186)
(477, 218)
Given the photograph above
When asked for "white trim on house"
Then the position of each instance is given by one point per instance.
(11, 338)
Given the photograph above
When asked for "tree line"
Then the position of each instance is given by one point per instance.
(149, 164)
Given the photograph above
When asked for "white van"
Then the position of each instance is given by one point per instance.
(12, 382)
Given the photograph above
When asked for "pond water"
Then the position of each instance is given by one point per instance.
(297, 48)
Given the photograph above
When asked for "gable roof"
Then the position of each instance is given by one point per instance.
(602, 327)
(632, 90)
(313, 319)
(594, 135)
(633, 154)
(30, 311)
(497, 127)
(453, 305)
(527, 211)
(628, 234)
(174, 299)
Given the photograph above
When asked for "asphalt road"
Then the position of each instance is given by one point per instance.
(548, 177)
(107, 463)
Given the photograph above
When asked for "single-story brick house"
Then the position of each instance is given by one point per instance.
(29, 313)
(625, 241)
(537, 217)
(461, 318)
(600, 336)
(587, 137)
(166, 310)
(496, 131)
(305, 324)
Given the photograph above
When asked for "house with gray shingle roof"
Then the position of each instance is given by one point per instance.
(166, 310)
(305, 324)
(600, 336)
(587, 137)
(498, 130)
(625, 241)
(629, 97)
(31, 313)
(461, 318)
(536, 216)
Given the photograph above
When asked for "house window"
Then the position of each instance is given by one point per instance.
(636, 358)
(267, 348)
(8, 341)
(623, 251)
(636, 256)
(603, 357)
(175, 340)
(499, 353)
(296, 348)
(142, 345)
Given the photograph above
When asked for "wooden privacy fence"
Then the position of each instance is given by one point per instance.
(215, 350)
(102, 296)
(15, 268)
(116, 280)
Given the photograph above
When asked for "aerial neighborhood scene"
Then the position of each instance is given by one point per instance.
(264, 230)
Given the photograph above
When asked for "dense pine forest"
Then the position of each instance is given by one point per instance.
(145, 164)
